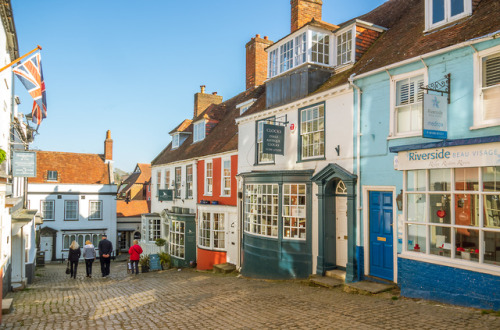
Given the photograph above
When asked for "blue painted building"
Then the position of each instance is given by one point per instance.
(429, 208)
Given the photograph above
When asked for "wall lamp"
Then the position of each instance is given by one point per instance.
(399, 201)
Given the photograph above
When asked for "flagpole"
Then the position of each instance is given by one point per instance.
(20, 58)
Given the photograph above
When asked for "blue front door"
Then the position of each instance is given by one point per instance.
(381, 247)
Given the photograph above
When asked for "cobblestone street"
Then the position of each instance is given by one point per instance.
(188, 299)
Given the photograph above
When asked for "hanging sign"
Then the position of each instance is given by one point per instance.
(166, 195)
(434, 116)
(24, 164)
(273, 139)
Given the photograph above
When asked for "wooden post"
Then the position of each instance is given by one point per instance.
(20, 58)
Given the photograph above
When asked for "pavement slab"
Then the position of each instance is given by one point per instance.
(187, 299)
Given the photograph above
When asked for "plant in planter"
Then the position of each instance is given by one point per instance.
(3, 155)
(144, 262)
(164, 260)
(160, 242)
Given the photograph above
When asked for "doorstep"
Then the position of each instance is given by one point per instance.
(326, 281)
(224, 268)
(6, 305)
(370, 287)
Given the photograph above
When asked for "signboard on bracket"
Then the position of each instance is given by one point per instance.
(435, 117)
(273, 139)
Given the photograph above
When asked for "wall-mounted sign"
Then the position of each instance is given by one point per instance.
(435, 117)
(273, 139)
(24, 164)
(474, 155)
(166, 195)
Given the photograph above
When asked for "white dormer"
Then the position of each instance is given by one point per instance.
(442, 12)
(199, 131)
(175, 141)
(244, 106)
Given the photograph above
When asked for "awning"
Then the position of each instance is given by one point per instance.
(23, 216)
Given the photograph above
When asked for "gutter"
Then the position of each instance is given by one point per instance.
(358, 160)
(470, 42)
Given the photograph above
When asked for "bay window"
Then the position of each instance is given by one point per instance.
(261, 209)
(286, 56)
(300, 49)
(454, 213)
(312, 132)
(344, 48)
(154, 229)
(294, 211)
(320, 50)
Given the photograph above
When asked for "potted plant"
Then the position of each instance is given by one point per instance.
(144, 262)
(3, 155)
(164, 260)
(160, 242)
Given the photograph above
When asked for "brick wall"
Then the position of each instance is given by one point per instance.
(256, 61)
(108, 147)
(364, 39)
(448, 285)
(303, 11)
(203, 100)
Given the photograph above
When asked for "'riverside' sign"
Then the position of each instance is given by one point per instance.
(273, 139)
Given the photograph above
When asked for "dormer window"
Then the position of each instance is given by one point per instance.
(442, 12)
(309, 46)
(344, 48)
(244, 106)
(199, 131)
(175, 141)
(51, 175)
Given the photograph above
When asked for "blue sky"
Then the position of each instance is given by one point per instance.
(133, 67)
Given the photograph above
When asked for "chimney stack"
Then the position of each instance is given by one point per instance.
(303, 11)
(108, 147)
(256, 61)
(203, 100)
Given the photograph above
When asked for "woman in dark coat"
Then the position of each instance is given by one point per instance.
(74, 257)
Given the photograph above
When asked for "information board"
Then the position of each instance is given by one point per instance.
(166, 195)
(24, 164)
(434, 116)
(273, 139)
(154, 262)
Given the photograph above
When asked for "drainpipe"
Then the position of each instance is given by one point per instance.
(358, 161)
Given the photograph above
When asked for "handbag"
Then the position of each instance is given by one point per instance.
(68, 270)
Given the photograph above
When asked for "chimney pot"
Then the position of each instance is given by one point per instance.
(303, 11)
(257, 36)
(214, 93)
(202, 87)
(266, 38)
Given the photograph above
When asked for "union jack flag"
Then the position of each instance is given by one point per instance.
(31, 75)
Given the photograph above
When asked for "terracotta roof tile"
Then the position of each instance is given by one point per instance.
(182, 127)
(132, 209)
(74, 168)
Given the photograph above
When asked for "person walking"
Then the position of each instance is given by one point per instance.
(74, 257)
(105, 249)
(135, 254)
(89, 256)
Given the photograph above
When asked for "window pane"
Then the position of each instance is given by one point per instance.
(492, 248)
(416, 238)
(466, 210)
(457, 7)
(437, 11)
(492, 211)
(441, 241)
(416, 207)
(467, 243)
(415, 180)
(440, 208)
(467, 179)
(440, 180)
(491, 178)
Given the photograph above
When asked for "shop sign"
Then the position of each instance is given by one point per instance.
(273, 139)
(477, 155)
(24, 164)
(166, 195)
(434, 116)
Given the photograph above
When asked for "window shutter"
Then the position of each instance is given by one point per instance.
(491, 91)
(492, 71)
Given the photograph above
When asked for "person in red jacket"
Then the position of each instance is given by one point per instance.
(135, 254)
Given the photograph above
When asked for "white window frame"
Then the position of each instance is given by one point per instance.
(429, 25)
(393, 95)
(189, 182)
(273, 62)
(199, 131)
(260, 224)
(178, 182)
(352, 30)
(99, 204)
(263, 158)
(293, 212)
(225, 190)
(43, 208)
(167, 179)
(479, 122)
(325, 55)
(154, 229)
(175, 141)
(66, 210)
(300, 49)
(51, 177)
(158, 183)
(211, 230)
(177, 239)
(244, 106)
(312, 132)
(79, 237)
(209, 180)
(286, 56)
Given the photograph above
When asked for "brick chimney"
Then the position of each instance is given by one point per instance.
(256, 62)
(303, 11)
(108, 147)
(203, 101)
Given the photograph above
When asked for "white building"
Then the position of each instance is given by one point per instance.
(76, 196)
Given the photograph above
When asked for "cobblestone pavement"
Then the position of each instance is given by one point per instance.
(188, 299)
